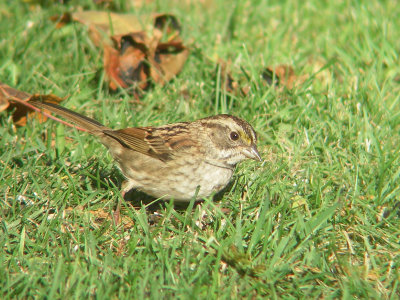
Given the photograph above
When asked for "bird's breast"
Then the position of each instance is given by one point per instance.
(178, 179)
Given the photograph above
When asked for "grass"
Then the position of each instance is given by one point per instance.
(318, 218)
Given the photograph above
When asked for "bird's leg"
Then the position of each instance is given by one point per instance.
(116, 213)
(126, 186)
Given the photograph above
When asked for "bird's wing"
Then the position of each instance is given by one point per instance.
(162, 143)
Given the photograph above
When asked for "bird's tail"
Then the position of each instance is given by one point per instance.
(83, 123)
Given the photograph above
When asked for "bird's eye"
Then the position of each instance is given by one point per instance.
(234, 136)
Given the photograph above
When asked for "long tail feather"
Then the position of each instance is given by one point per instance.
(83, 123)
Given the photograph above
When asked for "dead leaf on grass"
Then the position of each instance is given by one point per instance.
(21, 111)
(133, 59)
(228, 83)
(281, 75)
(110, 4)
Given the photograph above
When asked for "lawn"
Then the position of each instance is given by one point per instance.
(318, 218)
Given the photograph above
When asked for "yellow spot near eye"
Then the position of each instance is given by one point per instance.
(245, 138)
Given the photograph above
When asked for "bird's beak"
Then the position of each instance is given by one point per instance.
(253, 153)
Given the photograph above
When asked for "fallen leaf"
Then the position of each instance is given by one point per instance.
(168, 61)
(136, 60)
(11, 99)
(233, 84)
(133, 59)
(283, 75)
(126, 64)
(7, 92)
(228, 83)
(109, 22)
(61, 20)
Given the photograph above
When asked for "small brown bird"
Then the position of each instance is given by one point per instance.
(179, 161)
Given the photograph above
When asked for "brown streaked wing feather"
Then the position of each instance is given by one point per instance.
(160, 143)
(180, 142)
(142, 140)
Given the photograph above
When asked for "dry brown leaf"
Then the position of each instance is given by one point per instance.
(10, 99)
(7, 93)
(126, 63)
(282, 75)
(61, 20)
(138, 3)
(128, 5)
(136, 60)
(108, 22)
(168, 61)
(132, 59)
(232, 84)
(228, 83)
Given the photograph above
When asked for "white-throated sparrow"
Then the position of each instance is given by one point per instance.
(179, 161)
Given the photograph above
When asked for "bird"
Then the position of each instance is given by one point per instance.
(180, 161)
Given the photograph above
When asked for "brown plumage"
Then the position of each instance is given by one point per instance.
(181, 160)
